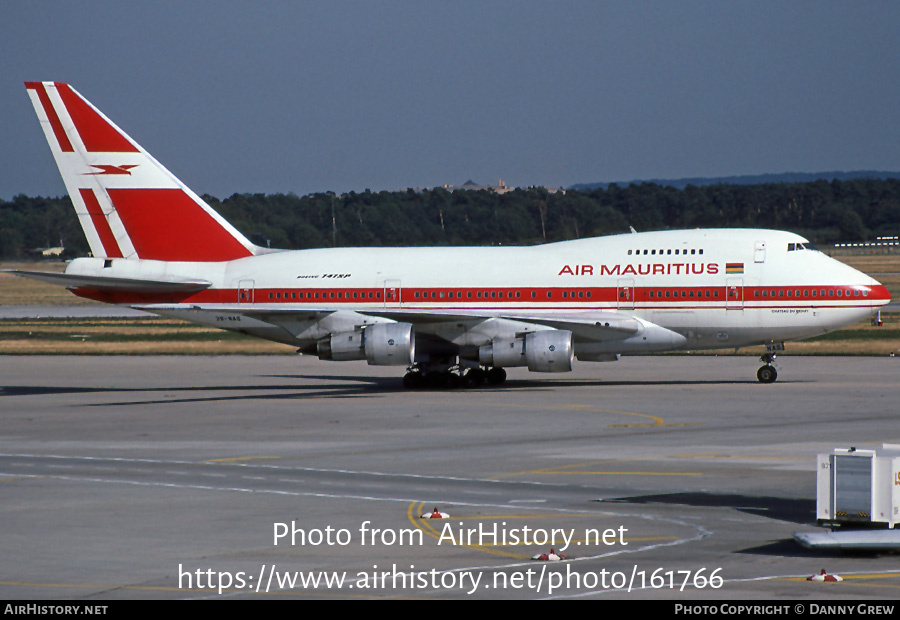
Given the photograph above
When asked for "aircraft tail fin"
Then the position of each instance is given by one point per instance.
(128, 204)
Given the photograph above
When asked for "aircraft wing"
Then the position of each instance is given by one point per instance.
(596, 326)
(586, 325)
(107, 284)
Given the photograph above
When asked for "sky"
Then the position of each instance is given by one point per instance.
(342, 96)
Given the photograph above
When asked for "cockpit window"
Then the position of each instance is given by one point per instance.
(800, 246)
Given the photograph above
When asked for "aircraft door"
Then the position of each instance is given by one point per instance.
(734, 294)
(759, 252)
(245, 291)
(392, 293)
(625, 294)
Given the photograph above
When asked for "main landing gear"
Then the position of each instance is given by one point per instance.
(451, 378)
(767, 373)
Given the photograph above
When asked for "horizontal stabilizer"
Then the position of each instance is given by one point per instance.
(115, 284)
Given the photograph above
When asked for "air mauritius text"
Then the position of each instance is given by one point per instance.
(494, 534)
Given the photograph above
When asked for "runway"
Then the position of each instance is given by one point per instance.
(660, 477)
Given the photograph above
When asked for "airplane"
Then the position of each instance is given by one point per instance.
(452, 316)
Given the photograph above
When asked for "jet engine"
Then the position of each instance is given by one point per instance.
(390, 344)
(381, 344)
(550, 350)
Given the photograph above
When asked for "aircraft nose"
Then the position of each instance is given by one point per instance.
(879, 295)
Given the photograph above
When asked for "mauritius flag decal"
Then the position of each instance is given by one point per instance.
(734, 267)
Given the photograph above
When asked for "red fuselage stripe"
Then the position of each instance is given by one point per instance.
(578, 298)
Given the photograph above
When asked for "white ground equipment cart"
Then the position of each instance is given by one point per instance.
(857, 492)
(858, 487)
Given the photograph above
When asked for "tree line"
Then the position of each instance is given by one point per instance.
(824, 212)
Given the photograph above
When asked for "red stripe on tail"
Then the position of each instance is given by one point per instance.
(167, 224)
(95, 131)
(101, 224)
(58, 130)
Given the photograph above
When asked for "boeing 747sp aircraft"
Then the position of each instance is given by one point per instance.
(447, 315)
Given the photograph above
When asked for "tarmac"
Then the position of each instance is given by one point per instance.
(670, 477)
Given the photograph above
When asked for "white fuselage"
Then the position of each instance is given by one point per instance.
(716, 288)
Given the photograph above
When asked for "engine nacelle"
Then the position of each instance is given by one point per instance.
(390, 344)
(342, 347)
(503, 353)
(549, 350)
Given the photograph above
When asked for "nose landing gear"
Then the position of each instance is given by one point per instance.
(767, 373)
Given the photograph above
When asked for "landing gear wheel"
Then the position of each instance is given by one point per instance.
(767, 374)
(435, 380)
(412, 380)
(496, 376)
(473, 378)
